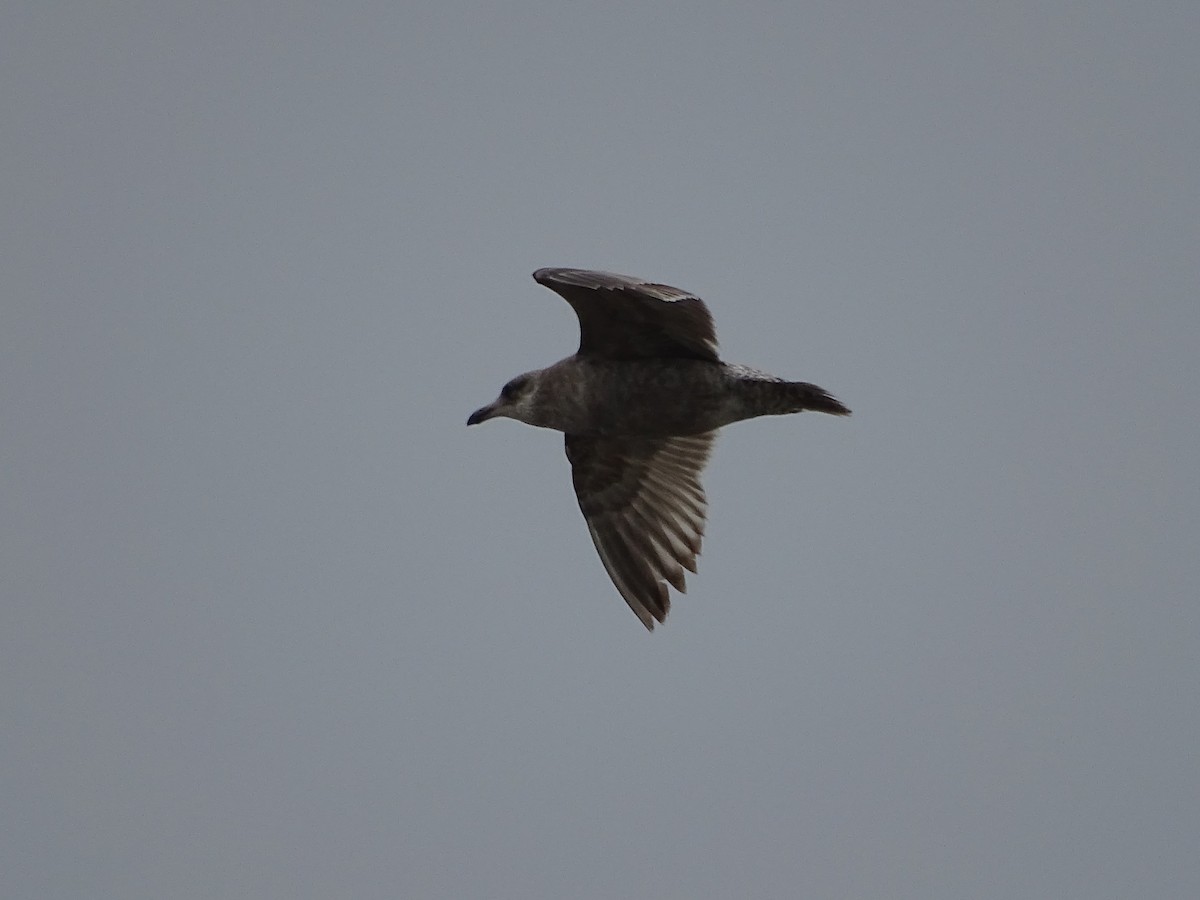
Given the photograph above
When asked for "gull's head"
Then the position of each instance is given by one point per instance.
(515, 401)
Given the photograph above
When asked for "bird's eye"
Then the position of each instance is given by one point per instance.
(510, 389)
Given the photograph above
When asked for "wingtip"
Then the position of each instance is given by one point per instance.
(547, 275)
(558, 277)
(650, 619)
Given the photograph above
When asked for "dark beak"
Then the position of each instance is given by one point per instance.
(482, 414)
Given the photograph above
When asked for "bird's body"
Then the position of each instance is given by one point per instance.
(657, 397)
(640, 404)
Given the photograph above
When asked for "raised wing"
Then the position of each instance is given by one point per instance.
(645, 509)
(626, 318)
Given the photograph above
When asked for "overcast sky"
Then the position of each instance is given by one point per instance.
(276, 624)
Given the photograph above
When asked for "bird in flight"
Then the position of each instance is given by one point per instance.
(640, 403)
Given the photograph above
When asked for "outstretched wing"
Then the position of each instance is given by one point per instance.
(645, 509)
(627, 318)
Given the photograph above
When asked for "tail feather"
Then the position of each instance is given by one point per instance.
(807, 396)
(758, 393)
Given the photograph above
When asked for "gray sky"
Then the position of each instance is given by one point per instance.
(277, 625)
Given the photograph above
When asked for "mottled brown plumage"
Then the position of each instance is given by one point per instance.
(640, 403)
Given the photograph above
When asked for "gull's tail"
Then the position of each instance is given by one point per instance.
(803, 396)
(760, 394)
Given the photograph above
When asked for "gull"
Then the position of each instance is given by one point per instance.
(640, 403)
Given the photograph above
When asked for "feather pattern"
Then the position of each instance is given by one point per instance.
(645, 510)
